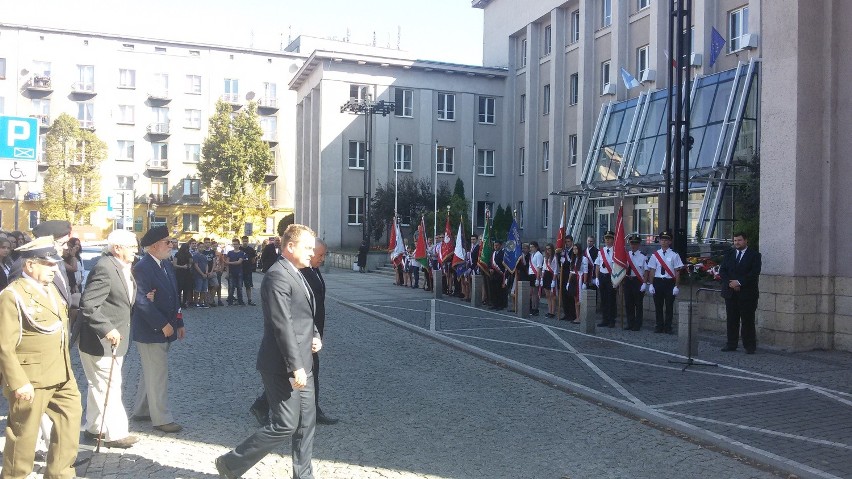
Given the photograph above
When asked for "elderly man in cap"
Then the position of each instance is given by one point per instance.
(155, 323)
(35, 366)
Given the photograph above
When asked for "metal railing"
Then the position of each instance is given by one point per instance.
(158, 128)
(158, 164)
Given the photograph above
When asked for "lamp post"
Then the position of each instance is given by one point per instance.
(367, 107)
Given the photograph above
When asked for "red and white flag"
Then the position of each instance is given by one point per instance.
(446, 250)
(620, 259)
(459, 253)
(396, 248)
(560, 238)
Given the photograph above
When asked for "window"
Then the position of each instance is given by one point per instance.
(545, 155)
(404, 102)
(402, 162)
(523, 109)
(125, 150)
(520, 215)
(160, 84)
(358, 92)
(572, 150)
(86, 114)
(270, 91)
(41, 68)
(641, 61)
(606, 13)
(604, 77)
(160, 119)
(642, 4)
(646, 215)
(574, 89)
(232, 90)
(271, 194)
(193, 118)
(191, 187)
(125, 182)
(485, 162)
(190, 222)
(486, 109)
(160, 190)
(357, 154)
(522, 161)
(126, 114)
(544, 213)
(545, 107)
(126, 78)
(481, 208)
(575, 26)
(445, 159)
(523, 59)
(128, 46)
(446, 106)
(85, 78)
(159, 49)
(34, 219)
(195, 53)
(193, 153)
(2, 68)
(160, 152)
(547, 40)
(41, 106)
(269, 125)
(193, 84)
(355, 215)
(737, 27)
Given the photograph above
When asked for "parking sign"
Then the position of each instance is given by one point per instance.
(18, 148)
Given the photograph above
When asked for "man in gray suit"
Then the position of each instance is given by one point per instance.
(284, 361)
(104, 336)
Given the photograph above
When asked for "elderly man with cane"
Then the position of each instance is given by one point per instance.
(106, 306)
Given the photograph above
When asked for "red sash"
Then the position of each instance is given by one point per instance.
(532, 265)
(494, 265)
(589, 256)
(548, 265)
(634, 268)
(663, 263)
(605, 262)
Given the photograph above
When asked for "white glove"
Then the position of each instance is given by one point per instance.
(538, 282)
(596, 283)
(553, 284)
(651, 289)
(567, 287)
(562, 260)
(583, 286)
(675, 291)
(643, 288)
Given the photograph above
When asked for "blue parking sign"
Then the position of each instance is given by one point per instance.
(18, 148)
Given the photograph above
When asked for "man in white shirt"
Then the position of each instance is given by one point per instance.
(634, 285)
(662, 277)
(535, 273)
(603, 280)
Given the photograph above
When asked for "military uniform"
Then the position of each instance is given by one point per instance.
(34, 350)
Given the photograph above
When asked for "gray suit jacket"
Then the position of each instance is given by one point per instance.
(288, 321)
(105, 306)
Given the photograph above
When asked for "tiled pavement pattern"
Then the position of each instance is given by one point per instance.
(414, 408)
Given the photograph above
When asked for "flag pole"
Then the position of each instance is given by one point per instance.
(473, 190)
(435, 223)
(561, 265)
(396, 177)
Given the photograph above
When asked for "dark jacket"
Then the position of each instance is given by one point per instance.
(150, 317)
(317, 284)
(104, 306)
(747, 272)
(268, 257)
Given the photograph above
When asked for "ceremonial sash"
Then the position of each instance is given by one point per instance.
(532, 265)
(634, 268)
(605, 262)
(494, 265)
(663, 263)
(589, 257)
(548, 265)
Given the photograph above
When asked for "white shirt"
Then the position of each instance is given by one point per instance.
(608, 251)
(670, 257)
(638, 259)
(537, 261)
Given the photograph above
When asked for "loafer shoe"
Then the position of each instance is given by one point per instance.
(170, 427)
(223, 470)
(122, 443)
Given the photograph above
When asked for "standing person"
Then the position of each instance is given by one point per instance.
(565, 256)
(210, 255)
(634, 285)
(591, 253)
(414, 267)
(183, 270)
(548, 280)
(536, 265)
(249, 267)
(5, 262)
(499, 298)
(216, 278)
(740, 272)
(104, 336)
(284, 361)
(73, 265)
(362, 257)
(234, 259)
(155, 323)
(603, 280)
(270, 253)
(200, 276)
(36, 366)
(664, 269)
(578, 269)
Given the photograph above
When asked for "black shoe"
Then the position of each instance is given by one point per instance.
(728, 349)
(223, 470)
(749, 351)
(241, 303)
(326, 421)
(603, 325)
(252, 303)
(261, 416)
(549, 315)
(92, 435)
(534, 312)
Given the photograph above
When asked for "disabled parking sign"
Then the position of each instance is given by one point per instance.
(18, 148)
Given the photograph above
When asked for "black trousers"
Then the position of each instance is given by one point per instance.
(567, 298)
(663, 297)
(609, 305)
(633, 302)
(498, 292)
(262, 404)
(741, 318)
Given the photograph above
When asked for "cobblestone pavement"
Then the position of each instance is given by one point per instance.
(416, 408)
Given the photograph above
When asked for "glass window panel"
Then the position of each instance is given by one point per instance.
(702, 104)
(612, 127)
(720, 104)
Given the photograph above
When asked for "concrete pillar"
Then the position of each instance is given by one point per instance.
(438, 284)
(587, 311)
(476, 290)
(523, 289)
(686, 315)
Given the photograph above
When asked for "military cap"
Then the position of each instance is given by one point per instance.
(54, 228)
(153, 235)
(665, 234)
(634, 239)
(40, 248)
(609, 234)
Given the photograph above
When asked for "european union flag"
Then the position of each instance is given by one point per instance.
(512, 248)
(717, 43)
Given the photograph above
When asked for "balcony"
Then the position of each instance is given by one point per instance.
(267, 104)
(270, 137)
(87, 124)
(157, 166)
(158, 129)
(43, 121)
(271, 175)
(39, 83)
(85, 89)
(159, 198)
(33, 196)
(159, 96)
(233, 99)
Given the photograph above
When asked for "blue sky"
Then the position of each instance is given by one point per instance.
(447, 30)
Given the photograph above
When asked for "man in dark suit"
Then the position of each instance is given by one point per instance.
(497, 280)
(284, 361)
(104, 336)
(739, 273)
(155, 323)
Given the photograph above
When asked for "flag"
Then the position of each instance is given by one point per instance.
(446, 251)
(398, 252)
(392, 239)
(674, 62)
(459, 253)
(560, 239)
(629, 81)
(487, 249)
(420, 250)
(512, 249)
(619, 256)
(717, 43)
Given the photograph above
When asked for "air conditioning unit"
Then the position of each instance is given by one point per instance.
(749, 41)
(648, 76)
(609, 89)
(696, 59)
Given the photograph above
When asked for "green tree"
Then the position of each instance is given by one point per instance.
(747, 197)
(458, 190)
(416, 198)
(72, 183)
(234, 164)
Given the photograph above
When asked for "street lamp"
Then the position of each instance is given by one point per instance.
(368, 108)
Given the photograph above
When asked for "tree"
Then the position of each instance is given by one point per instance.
(458, 190)
(416, 197)
(747, 198)
(72, 183)
(234, 164)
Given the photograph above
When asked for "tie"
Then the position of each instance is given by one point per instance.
(739, 256)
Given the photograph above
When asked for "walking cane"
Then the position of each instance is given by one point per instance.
(106, 400)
